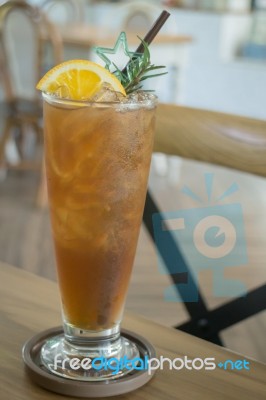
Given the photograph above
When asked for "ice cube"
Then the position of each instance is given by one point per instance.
(107, 94)
(140, 95)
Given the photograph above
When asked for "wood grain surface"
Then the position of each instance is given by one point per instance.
(30, 304)
(223, 139)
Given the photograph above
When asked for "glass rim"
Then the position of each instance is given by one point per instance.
(151, 101)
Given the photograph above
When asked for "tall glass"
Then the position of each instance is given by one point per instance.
(97, 163)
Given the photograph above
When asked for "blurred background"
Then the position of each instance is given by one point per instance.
(225, 60)
(215, 54)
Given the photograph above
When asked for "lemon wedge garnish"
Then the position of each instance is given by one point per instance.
(78, 80)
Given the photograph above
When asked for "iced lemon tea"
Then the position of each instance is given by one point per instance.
(97, 163)
(99, 128)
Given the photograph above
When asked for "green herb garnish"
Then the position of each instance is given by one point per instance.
(138, 69)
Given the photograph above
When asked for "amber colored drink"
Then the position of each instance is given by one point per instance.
(97, 162)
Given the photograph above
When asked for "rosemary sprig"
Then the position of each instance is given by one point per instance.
(137, 70)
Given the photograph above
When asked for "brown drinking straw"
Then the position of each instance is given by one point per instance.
(152, 32)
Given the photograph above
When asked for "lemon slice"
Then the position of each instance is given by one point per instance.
(78, 80)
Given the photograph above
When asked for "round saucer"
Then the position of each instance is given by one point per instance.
(44, 378)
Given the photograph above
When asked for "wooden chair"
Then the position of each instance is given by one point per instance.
(22, 27)
(227, 140)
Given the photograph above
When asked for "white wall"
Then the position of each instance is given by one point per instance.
(214, 78)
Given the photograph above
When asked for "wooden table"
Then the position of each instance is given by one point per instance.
(87, 36)
(30, 304)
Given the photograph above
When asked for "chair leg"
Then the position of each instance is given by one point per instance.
(227, 314)
(3, 141)
(42, 199)
(182, 274)
(39, 131)
(19, 139)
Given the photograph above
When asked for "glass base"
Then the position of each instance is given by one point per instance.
(89, 356)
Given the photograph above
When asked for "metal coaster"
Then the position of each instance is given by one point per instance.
(44, 378)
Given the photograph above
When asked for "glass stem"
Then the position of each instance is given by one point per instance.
(105, 343)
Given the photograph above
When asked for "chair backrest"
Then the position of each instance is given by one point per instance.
(22, 31)
(139, 16)
(63, 11)
(223, 139)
